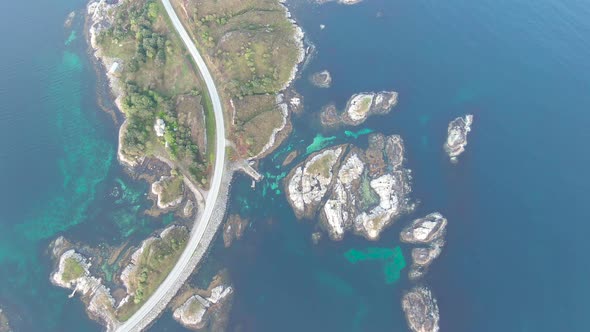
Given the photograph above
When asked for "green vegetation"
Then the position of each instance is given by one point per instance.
(72, 270)
(156, 261)
(392, 258)
(322, 166)
(172, 188)
(251, 53)
(156, 74)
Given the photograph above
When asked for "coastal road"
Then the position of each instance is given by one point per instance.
(155, 303)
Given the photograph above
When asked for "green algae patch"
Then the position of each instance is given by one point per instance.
(357, 134)
(392, 258)
(319, 142)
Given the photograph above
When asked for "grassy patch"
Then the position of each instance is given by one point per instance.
(172, 188)
(154, 265)
(72, 270)
(251, 52)
(322, 166)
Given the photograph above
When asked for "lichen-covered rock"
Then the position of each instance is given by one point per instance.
(457, 136)
(370, 189)
(421, 310)
(321, 79)
(359, 107)
(308, 183)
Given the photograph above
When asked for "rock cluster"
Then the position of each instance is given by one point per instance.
(457, 136)
(428, 232)
(96, 296)
(4, 323)
(352, 189)
(206, 307)
(421, 310)
(321, 79)
(359, 107)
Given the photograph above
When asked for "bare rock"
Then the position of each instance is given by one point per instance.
(421, 310)
(425, 230)
(457, 136)
(233, 229)
(359, 107)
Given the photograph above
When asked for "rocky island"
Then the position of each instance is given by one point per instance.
(351, 189)
(321, 79)
(421, 310)
(142, 270)
(359, 107)
(206, 308)
(457, 136)
(428, 232)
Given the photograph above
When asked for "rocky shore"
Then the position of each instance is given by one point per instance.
(207, 308)
(73, 272)
(421, 310)
(351, 189)
(429, 233)
(457, 136)
(359, 107)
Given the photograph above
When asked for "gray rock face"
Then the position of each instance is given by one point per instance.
(428, 232)
(421, 310)
(457, 136)
(364, 192)
(359, 107)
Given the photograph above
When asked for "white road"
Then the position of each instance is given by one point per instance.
(146, 312)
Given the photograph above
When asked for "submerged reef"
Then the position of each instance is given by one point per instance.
(457, 136)
(352, 189)
(321, 79)
(421, 310)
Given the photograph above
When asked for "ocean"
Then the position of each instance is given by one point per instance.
(516, 243)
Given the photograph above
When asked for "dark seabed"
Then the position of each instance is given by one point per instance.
(515, 258)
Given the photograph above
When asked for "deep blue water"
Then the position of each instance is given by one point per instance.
(515, 258)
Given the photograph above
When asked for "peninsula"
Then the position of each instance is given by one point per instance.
(201, 112)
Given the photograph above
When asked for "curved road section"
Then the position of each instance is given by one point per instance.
(146, 312)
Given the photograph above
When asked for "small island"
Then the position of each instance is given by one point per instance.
(457, 136)
(421, 310)
(206, 308)
(321, 79)
(359, 107)
(428, 232)
(351, 189)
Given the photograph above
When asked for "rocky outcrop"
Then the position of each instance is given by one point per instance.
(359, 107)
(308, 183)
(206, 308)
(368, 192)
(166, 197)
(457, 136)
(429, 233)
(73, 272)
(421, 310)
(321, 79)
